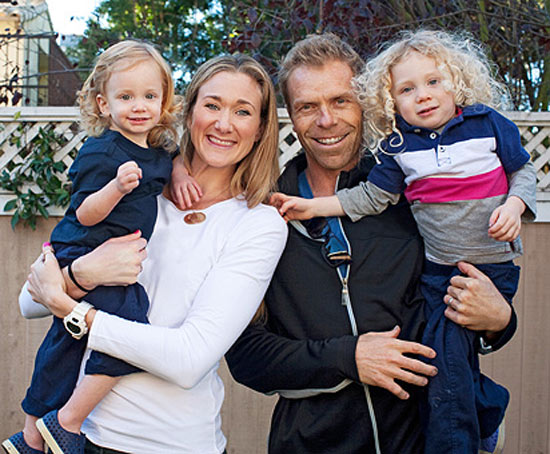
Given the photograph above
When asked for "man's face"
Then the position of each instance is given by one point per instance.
(325, 114)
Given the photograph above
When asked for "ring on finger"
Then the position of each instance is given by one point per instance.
(451, 299)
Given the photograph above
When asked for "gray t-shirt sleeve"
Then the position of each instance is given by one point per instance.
(366, 199)
(522, 184)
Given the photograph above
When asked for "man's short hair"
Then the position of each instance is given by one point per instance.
(316, 50)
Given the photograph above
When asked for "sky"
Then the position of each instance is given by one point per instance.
(61, 12)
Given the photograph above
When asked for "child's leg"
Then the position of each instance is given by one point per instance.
(31, 434)
(463, 404)
(491, 404)
(90, 391)
(449, 412)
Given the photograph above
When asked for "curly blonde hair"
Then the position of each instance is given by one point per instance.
(256, 174)
(120, 57)
(466, 70)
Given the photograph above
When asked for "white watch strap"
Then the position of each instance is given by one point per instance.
(81, 309)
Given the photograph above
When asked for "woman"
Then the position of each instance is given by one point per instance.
(206, 272)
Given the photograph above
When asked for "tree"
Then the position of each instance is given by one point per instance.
(515, 32)
(188, 32)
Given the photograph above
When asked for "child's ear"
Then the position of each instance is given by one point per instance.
(103, 105)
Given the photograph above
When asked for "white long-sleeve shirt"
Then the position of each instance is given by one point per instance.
(205, 282)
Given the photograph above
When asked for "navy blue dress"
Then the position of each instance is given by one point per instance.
(59, 357)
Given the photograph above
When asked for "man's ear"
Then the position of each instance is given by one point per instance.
(103, 105)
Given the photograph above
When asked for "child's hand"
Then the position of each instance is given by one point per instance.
(127, 177)
(505, 221)
(185, 191)
(291, 207)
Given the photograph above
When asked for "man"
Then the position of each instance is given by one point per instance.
(344, 308)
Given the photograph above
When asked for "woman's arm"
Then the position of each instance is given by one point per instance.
(221, 309)
(30, 308)
(115, 262)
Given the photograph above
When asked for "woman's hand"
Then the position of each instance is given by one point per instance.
(474, 302)
(115, 262)
(47, 284)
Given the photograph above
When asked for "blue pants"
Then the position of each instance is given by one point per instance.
(58, 360)
(462, 404)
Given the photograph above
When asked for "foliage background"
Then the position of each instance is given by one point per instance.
(516, 33)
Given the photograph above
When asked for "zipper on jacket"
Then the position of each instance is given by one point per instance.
(346, 301)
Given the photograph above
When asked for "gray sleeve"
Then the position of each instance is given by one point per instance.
(523, 184)
(366, 199)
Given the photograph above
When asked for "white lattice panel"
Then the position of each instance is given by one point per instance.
(534, 128)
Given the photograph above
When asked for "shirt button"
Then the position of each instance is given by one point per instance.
(433, 135)
(417, 131)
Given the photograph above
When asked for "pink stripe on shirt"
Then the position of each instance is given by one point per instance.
(449, 189)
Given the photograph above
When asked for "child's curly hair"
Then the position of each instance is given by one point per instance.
(467, 73)
(119, 57)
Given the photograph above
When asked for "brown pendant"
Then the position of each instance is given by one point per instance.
(196, 217)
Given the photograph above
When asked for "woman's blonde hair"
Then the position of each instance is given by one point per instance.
(120, 57)
(467, 72)
(256, 174)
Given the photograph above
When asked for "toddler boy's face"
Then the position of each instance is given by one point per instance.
(419, 94)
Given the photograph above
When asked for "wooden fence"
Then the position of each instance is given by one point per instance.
(523, 366)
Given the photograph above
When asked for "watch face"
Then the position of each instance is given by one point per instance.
(73, 328)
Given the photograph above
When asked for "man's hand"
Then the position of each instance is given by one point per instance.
(127, 177)
(505, 221)
(381, 359)
(474, 302)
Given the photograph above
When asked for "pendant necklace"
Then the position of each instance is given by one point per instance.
(196, 217)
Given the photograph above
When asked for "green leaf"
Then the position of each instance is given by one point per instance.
(10, 205)
(14, 220)
(43, 211)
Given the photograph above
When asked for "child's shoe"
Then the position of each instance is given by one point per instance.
(495, 443)
(59, 440)
(16, 444)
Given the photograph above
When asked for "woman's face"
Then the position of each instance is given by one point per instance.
(226, 120)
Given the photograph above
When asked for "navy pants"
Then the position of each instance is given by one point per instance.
(462, 404)
(58, 360)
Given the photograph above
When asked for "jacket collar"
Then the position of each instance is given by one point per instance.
(288, 181)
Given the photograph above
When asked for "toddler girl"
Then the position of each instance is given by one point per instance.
(428, 102)
(128, 108)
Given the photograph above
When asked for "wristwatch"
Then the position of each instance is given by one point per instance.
(75, 322)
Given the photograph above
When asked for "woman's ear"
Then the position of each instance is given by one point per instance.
(259, 132)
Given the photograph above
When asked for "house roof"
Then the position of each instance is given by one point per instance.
(26, 10)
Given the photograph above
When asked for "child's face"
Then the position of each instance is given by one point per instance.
(133, 100)
(418, 92)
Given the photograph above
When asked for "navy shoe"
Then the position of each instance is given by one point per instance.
(493, 444)
(59, 440)
(16, 444)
